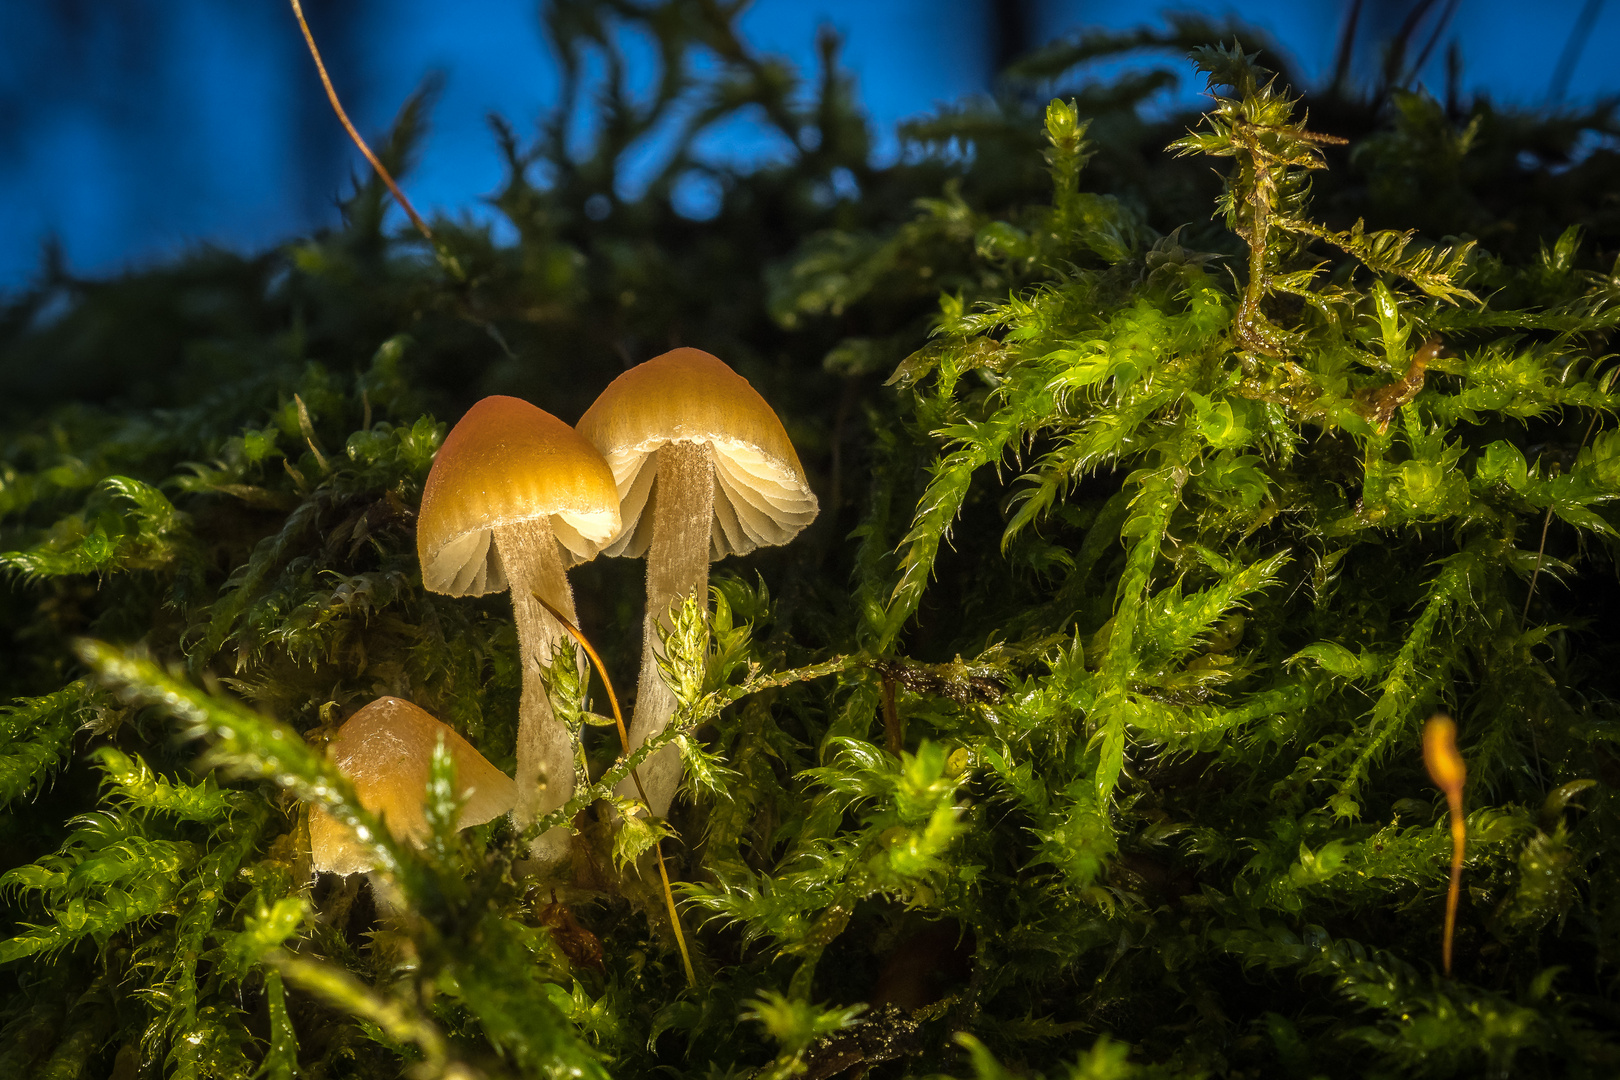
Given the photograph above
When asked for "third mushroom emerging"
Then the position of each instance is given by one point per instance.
(704, 470)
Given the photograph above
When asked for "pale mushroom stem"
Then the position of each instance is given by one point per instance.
(677, 567)
(393, 913)
(530, 557)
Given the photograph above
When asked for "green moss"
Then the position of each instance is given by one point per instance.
(1078, 737)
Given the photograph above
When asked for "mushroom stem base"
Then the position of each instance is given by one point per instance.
(677, 567)
(545, 752)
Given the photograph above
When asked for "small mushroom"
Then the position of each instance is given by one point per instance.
(386, 750)
(513, 498)
(704, 470)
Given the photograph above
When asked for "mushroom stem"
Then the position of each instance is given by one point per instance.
(677, 567)
(393, 917)
(530, 557)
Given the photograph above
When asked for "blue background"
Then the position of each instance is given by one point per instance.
(131, 129)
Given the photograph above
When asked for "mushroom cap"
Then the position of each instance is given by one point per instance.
(761, 497)
(386, 751)
(506, 462)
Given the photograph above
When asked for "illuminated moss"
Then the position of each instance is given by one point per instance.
(1078, 736)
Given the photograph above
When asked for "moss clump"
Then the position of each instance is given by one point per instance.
(1080, 735)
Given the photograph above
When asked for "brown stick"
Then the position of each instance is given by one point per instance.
(894, 730)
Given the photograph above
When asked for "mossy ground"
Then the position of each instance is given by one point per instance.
(1079, 735)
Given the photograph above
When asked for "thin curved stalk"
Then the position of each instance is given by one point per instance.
(1449, 773)
(545, 752)
(677, 567)
(624, 742)
(354, 134)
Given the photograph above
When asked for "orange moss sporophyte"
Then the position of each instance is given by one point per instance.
(1449, 773)
(348, 125)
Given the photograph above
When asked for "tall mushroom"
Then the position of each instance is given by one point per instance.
(704, 470)
(386, 750)
(514, 497)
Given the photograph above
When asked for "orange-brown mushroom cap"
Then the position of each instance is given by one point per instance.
(386, 751)
(687, 395)
(506, 462)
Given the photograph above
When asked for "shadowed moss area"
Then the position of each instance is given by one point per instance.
(1172, 474)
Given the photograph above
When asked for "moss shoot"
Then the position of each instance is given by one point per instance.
(1173, 473)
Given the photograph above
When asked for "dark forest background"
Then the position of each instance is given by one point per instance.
(132, 129)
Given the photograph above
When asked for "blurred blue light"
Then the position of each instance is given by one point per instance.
(140, 127)
(696, 195)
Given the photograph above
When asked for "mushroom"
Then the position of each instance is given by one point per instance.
(704, 470)
(386, 750)
(514, 497)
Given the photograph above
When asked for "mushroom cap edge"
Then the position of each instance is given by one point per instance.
(507, 461)
(687, 395)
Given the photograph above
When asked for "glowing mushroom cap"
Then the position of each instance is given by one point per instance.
(506, 462)
(386, 751)
(761, 497)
